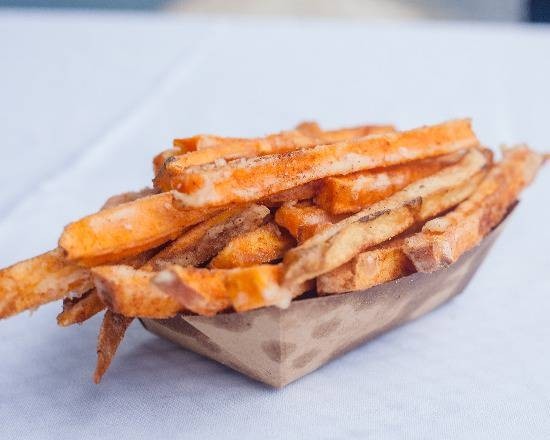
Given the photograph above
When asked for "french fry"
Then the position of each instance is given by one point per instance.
(217, 149)
(351, 193)
(48, 277)
(39, 280)
(262, 245)
(303, 220)
(378, 265)
(204, 149)
(119, 286)
(301, 192)
(208, 238)
(384, 220)
(245, 180)
(207, 292)
(129, 292)
(443, 240)
(111, 333)
(127, 230)
(159, 159)
(127, 197)
(78, 310)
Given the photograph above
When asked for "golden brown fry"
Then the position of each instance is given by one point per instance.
(111, 333)
(444, 239)
(301, 192)
(77, 310)
(39, 280)
(210, 148)
(48, 277)
(243, 180)
(351, 193)
(126, 197)
(127, 230)
(378, 265)
(129, 292)
(384, 220)
(159, 159)
(209, 291)
(122, 288)
(262, 245)
(201, 291)
(205, 240)
(218, 149)
(303, 220)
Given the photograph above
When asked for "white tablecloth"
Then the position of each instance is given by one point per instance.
(87, 99)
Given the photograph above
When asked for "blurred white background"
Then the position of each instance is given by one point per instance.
(492, 10)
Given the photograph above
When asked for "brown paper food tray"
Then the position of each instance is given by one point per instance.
(277, 346)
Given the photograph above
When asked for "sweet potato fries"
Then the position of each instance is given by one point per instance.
(235, 224)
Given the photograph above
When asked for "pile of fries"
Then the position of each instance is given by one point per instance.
(236, 224)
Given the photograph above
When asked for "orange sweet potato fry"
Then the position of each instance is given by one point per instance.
(121, 287)
(206, 148)
(78, 310)
(384, 220)
(39, 280)
(301, 192)
(378, 265)
(111, 333)
(126, 197)
(443, 240)
(127, 230)
(209, 291)
(245, 180)
(129, 292)
(205, 240)
(262, 245)
(303, 220)
(218, 149)
(351, 193)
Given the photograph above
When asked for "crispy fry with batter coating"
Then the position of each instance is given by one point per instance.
(303, 219)
(208, 238)
(301, 192)
(243, 180)
(159, 159)
(121, 287)
(111, 333)
(126, 230)
(207, 148)
(39, 280)
(129, 292)
(384, 220)
(219, 149)
(209, 291)
(77, 310)
(443, 240)
(378, 265)
(262, 245)
(126, 197)
(48, 277)
(351, 193)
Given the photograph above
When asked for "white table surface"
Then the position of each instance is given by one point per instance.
(85, 101)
